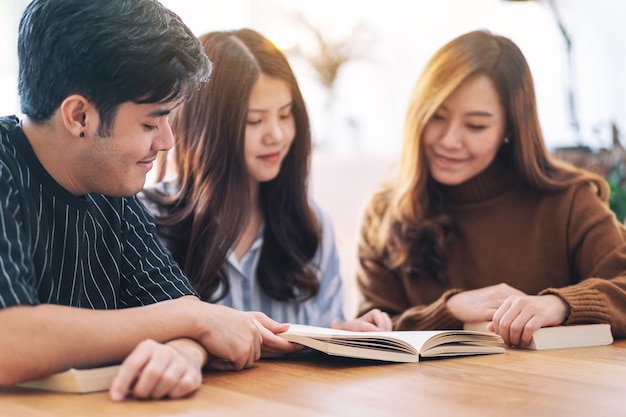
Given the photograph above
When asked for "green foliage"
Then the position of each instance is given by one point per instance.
(617, 201)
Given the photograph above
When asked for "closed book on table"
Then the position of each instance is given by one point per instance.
(561, 337)
(76, 380)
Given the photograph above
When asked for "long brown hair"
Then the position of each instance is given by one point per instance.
(408, 224)
(208, 213)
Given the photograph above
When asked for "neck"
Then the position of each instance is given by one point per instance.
(50, 144)
(254, 193)
(493, 181)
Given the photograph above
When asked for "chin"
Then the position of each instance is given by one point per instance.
(448, 180)
(123, 193)
(127, 189)
(267, 177)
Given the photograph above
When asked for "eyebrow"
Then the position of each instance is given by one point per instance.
(480, 113)
(265, 111)
(159, 112)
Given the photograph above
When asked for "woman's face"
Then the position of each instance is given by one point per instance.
(270, 128)
(465, 133)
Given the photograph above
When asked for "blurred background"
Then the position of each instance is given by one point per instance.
(357, 60)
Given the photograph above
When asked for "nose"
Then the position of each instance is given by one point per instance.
(275, 133)
(451, 137)
(165, 139)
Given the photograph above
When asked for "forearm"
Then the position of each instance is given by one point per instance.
(383, 290)
(40, 340)
(596, 300)
(434, 316)
(380, 287)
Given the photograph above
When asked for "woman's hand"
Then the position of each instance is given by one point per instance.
(519, 317)
(480, 304)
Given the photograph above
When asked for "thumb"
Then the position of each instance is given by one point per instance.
(273, 326)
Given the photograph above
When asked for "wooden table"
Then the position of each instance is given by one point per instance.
(567, 382)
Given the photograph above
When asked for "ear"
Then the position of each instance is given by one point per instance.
(78, 114)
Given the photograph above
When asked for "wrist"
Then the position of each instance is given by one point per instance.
(191, 350)
(187, 316)
(565, 310)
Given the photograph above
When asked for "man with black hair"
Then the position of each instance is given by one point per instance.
(83, 279)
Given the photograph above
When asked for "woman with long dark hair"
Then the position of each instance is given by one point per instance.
(237, 216)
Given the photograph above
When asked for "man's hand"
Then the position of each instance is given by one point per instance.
(236, 339)
(156, 370)
(274, 346)
(232, 338)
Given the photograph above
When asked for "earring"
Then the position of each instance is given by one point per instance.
(506, 140)
(81, 134)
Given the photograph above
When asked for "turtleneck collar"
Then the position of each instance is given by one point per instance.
(496, 179)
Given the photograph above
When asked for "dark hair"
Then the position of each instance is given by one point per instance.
(110, 52)
(209, 212)
(410, 226)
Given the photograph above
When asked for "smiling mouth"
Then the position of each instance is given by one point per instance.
(270, 157)
(148, 159)
(447, 160)
(147, 164)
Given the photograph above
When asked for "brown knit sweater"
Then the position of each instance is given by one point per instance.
(567, 243)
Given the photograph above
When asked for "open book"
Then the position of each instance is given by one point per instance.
(559, 337)
(396, 346)
(76, 380)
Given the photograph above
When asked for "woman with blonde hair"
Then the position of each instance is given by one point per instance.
(482, 223)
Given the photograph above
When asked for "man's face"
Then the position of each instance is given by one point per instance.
(117, 165)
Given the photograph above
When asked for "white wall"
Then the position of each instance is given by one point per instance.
(372, 92)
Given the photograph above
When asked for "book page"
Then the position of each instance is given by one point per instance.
(395, 344)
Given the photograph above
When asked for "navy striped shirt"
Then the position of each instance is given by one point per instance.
(89, 251)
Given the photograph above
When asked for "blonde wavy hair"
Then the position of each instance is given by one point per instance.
(404, 208)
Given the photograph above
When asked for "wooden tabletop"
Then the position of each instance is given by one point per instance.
(566, 382)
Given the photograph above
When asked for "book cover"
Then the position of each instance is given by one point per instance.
(562, 337)
(395, 346)
(76, 380)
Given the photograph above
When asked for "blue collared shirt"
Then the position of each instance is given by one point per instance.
(246, 294)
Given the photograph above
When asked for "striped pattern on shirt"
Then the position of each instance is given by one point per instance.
(89, 251)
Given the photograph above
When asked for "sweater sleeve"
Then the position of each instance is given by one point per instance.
(597, 247)
(383, 288)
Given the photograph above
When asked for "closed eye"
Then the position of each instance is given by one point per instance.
(476, 127)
